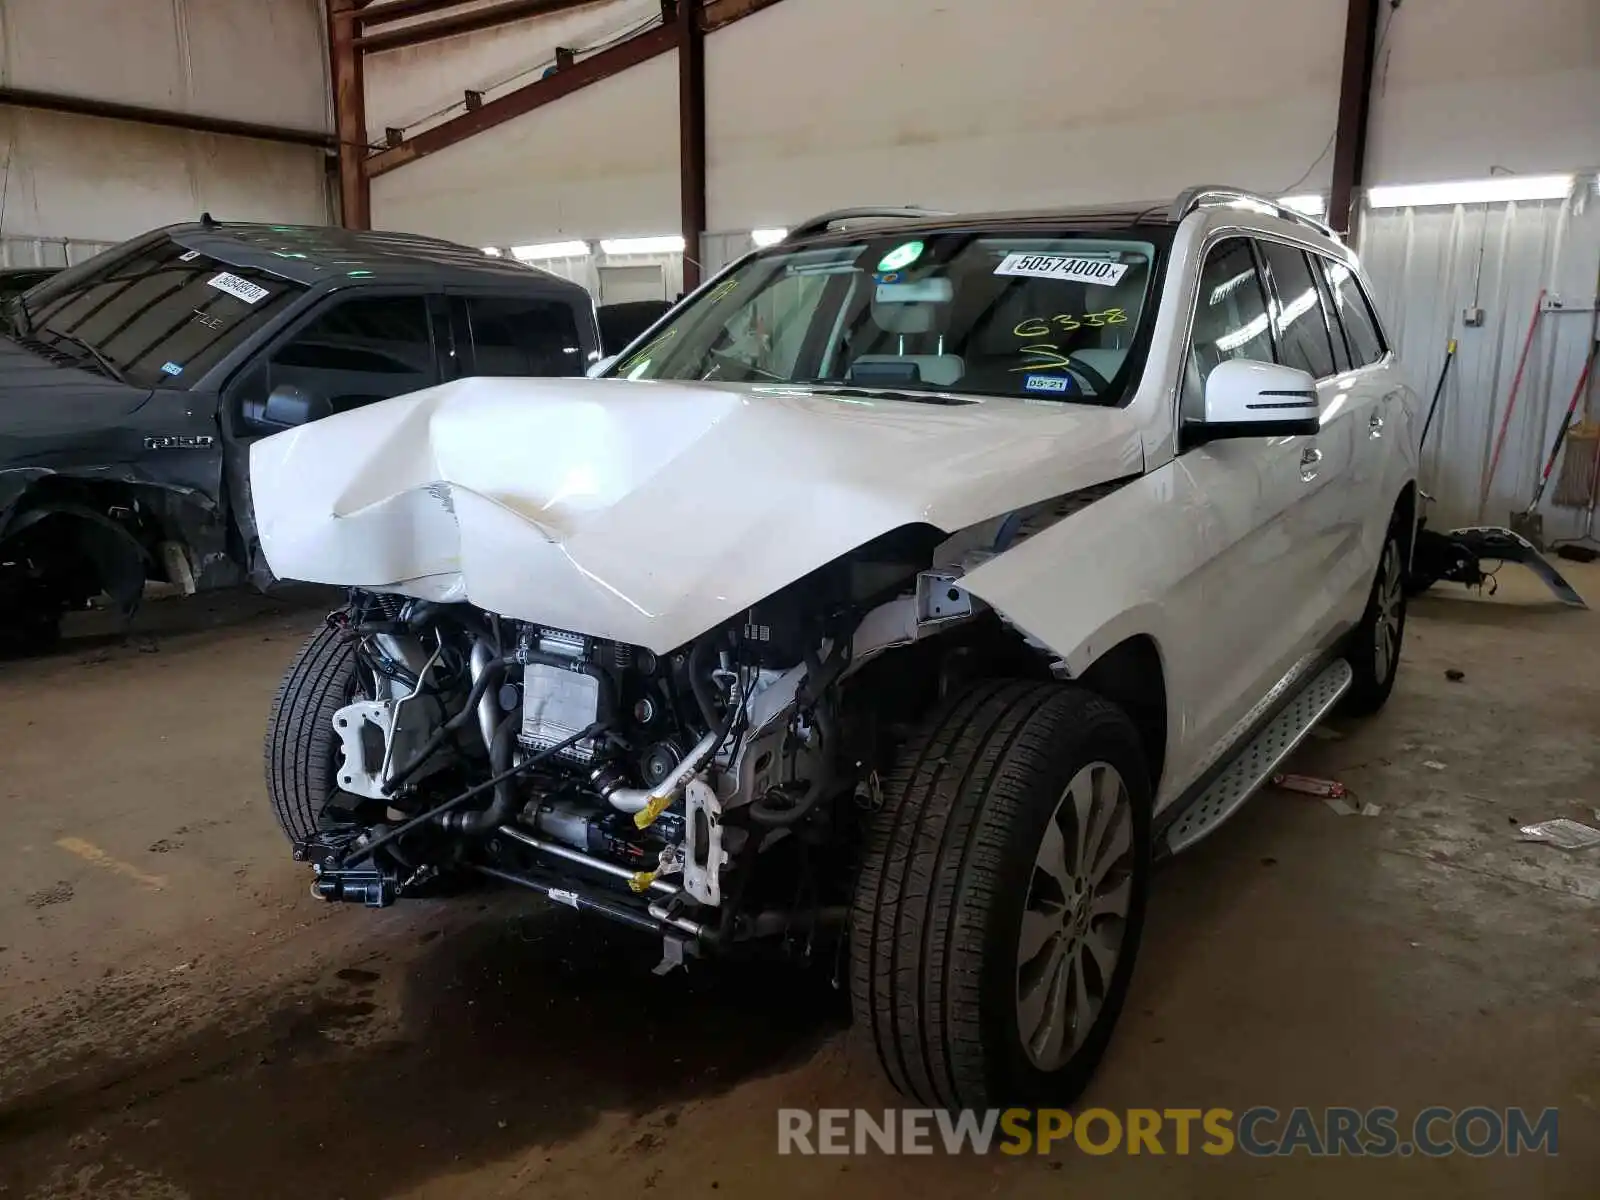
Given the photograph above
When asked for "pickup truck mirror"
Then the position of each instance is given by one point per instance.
(1248, 399)
(597, 369)
(286, 407)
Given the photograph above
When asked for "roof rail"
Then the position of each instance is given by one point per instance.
(826, 221)
(1221, 194)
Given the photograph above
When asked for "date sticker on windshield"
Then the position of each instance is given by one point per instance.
(900, 258)
(171, 368)
(189, 256)
(1055, 384)
(242, 289)
(1060, 266)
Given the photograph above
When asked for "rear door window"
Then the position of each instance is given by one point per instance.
(1361, 328)
(513, 335)
(1298, 322)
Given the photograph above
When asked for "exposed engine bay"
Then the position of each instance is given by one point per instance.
(713, 794)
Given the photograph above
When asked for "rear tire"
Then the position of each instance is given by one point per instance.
(301, 749)
(1373, 648)
(990, 963)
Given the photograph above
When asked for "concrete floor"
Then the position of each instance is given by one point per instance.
(181, 1020)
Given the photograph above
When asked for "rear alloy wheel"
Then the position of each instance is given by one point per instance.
(1373, 650)
(1002, 895)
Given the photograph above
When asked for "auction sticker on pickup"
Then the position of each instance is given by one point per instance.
(249, 292)
(1060, 266)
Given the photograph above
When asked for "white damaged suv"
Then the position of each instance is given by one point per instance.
(902, 595)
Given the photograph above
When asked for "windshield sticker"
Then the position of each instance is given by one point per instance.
(242, 289)
(901, 257)
(189, 256)
(1059, 266)
(1059, 384)
(171, 368)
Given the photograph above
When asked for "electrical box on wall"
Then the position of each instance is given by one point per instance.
(1472, 317)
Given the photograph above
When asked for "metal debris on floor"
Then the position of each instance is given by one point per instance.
(1344, 808)
(1309, 785)
(1434, 766)
(1563, 834)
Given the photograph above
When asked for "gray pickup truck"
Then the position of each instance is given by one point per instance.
(132, 385)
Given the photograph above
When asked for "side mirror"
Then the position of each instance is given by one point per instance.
(286, 407)
(597, 369)
(1248, 399)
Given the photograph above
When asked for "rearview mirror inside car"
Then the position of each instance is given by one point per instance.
(1249, 399)
(286, 407)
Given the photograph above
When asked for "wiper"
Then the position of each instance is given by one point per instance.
(106, 365)
(20, 316)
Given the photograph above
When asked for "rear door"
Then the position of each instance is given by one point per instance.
(530, 336)
(1378, 419)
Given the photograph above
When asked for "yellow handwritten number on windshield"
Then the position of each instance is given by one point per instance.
(1036, 327)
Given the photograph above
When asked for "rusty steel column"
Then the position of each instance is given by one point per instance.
(349, 115)
(1355, 105)
(692, 135)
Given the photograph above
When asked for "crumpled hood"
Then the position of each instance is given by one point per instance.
(641, 511)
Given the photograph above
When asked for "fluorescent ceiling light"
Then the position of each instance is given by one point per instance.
(1311, 205)
(492, 251)
(547, 250)
(1473, 191)
(768, 237)
(670, 244)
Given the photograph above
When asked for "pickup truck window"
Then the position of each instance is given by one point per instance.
(513, 336)
(159, 318)
(360, 350)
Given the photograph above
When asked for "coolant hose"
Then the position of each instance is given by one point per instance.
(700, 681)
(505, 794)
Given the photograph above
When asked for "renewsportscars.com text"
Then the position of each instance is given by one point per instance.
(1434, 1132)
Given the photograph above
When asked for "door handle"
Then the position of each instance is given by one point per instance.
(1310, 460)
(1375, 425)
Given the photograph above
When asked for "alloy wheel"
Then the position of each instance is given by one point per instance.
(1075, 917)
(1391, 609)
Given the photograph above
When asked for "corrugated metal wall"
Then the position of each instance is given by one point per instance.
(47, 252)
(1427, 264)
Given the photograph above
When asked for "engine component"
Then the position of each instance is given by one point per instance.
(703, 857)
(355, 885)
(375, 734)
(602, 832)
(560, 692)
(656, 763)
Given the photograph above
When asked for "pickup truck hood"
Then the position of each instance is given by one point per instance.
(648, 512)
(41, 400)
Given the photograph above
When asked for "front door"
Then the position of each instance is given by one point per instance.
(1253, 506)
(346, 353)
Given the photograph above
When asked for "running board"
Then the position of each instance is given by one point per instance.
(1260, 757)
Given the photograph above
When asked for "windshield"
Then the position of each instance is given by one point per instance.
(160, 317)
(1038, 316)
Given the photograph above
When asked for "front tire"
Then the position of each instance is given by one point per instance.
(301, 750)
(1002, 897)
(1373, 649)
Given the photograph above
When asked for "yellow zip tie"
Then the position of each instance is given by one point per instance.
(641, 881)
(647, 815)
